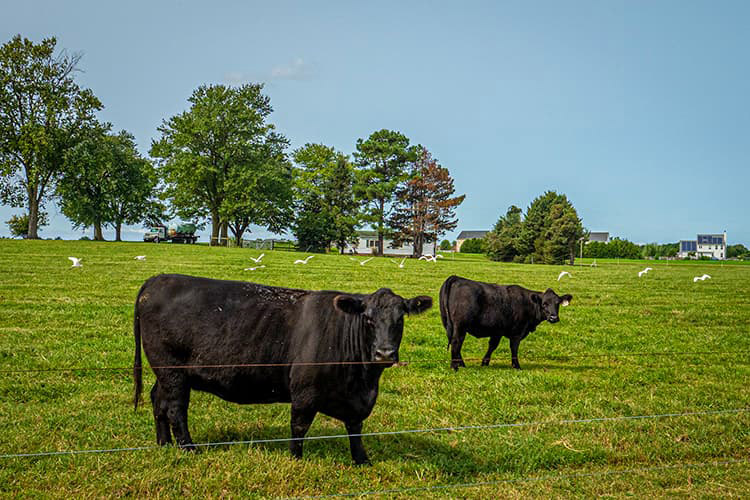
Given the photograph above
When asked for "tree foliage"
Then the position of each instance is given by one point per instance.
(219, 157)
(382, 159)
(548, 233)
(502, 241)
(106, 182)
(473, 245)
(737, 251)
(324, 185)
(43, 114)
(657, 250)
(616, 248)
(19, 224)
(425, 205)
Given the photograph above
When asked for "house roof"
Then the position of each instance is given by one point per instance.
(467, 235)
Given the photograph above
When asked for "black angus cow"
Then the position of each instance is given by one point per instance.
(494, 311)
(326, 350)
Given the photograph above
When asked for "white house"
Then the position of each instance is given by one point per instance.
(468, 235)
(368, 242)
(713, 246)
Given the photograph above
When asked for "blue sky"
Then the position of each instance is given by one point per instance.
(638, 111)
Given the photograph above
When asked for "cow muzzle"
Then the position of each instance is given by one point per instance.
(386, 355)
(553, 319)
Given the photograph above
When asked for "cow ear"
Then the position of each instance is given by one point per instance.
(418, 304)
(348, 304)
(566, 299)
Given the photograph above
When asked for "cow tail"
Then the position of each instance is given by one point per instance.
(444, 309)
(137, 366)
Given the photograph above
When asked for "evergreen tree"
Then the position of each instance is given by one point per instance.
(502, 241)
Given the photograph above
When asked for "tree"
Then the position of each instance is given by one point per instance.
(106, 182)
(19, 224)
(535, 221)
(325, 184)
(738, 250)
(43, 114)
(382, 160)
(217, 149)
(262, 194)
(473, 245)
(502, 241)
(445, 245)
(562, 234)
(424, 208)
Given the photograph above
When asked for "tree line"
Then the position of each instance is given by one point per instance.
(222, 160)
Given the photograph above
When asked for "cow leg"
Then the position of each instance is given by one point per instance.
(359, 455)
(302, 419)
(177, 400)
(494, 341)
(457, 340)
(163, 435)
(514, 343)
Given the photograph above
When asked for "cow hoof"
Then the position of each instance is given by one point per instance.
(485, 362)
(189, 447)
(365, 463)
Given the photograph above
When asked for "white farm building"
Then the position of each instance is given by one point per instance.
(713, 246)
(368, 243)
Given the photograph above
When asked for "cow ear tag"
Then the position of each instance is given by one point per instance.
(565, 303)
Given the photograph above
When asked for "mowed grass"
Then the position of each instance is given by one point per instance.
(601, 360)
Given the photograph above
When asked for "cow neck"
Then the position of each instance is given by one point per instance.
(539, 309)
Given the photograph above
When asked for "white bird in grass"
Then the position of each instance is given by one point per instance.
(76, 261)
(564, 273)
(304, 261)
(429, 258)
(362, 262)
(593, 264)
(701, 278)
(641, 273)
(254, 268)
(140, 257)
(401, 265)
(257, 259)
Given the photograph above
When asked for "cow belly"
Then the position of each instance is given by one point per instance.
(246, 386)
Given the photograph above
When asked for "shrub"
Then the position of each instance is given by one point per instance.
(473, 245)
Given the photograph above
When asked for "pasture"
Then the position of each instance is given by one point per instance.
(626, 346)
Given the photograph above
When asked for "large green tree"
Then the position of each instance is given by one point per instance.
(43, 114)
(325, 185)
(106, 182)
(217, 149)
(563, 231)
(425, 205)
(383, 159)
(502, 241)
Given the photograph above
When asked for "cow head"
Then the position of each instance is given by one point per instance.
(382, 314)
(549, 304)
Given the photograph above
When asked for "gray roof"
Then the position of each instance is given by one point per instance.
(467, 235)
(598, 236)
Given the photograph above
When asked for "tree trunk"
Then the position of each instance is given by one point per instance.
(379, 251)
(215, 223)
(118, 231)
(224, 236)
(33, 217)
(98, 231)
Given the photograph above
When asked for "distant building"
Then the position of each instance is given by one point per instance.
(599, 236)
(713, 246)
(368, 243)
(468, 235)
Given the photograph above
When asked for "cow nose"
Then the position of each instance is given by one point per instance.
(386, 354)
(553, 319)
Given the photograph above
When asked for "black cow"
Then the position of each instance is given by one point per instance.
(494, 311)
(190, 325)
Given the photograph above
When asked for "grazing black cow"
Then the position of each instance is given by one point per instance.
(494, 311)
(190, 325)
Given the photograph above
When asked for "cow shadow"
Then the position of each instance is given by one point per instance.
(532, 366)
(449, 455)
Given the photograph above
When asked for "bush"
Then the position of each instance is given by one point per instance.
(445, 245)
(473, 245)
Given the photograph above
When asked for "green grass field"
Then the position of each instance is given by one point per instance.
(604, 359)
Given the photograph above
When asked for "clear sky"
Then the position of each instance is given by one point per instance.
(639, 111)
